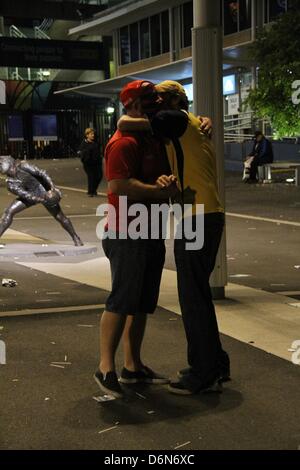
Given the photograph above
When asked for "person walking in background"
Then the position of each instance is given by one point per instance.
(262, 153)
(89, 153)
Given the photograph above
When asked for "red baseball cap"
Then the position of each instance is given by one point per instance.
(135, 90)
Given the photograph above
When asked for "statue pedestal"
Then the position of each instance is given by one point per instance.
(21, 251)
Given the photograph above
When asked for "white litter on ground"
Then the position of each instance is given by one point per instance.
(182, 445)
(61, 363)
(240, 275)
(141, 396)
(9, 283)
(86, 326)
(109, 429)
(104, 398)
(57, 365)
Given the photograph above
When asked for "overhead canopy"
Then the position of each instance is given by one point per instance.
(180, 70)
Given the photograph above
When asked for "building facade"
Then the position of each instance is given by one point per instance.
(152, 40)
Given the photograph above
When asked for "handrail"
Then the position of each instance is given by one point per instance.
(46, 24)
(15, 32)
(40, 34)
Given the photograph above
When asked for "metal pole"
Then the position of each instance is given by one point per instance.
(207, 52)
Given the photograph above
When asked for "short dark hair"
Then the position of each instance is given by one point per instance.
(258, 133)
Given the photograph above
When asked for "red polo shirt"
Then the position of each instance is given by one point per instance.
(140, 156)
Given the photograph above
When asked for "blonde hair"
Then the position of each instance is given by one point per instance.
(88, 131)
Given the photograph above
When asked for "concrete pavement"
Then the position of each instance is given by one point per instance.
(47, 407)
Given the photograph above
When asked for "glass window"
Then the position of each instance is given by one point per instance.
(244, 14)
(124, 46)
(144, 39)
(165, 32)
(187, 22)
(230, 16)
(155, 35)
(134, 42)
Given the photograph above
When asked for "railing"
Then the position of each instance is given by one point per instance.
(14, 74)
(14, 32)
(240, 128)
(40, 34)
(32, 74)
(46, 24)
(236, 128)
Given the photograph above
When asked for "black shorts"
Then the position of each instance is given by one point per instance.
(136, 269)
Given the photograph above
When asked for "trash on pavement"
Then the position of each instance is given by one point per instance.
(9, 283)
(104, 398)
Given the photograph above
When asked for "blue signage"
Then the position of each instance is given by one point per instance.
(15, 127)
(44, 127)
(229, 85)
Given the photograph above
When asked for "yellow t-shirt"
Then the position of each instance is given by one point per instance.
(200, 170)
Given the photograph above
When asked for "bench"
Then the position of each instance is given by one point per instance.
(267, 170)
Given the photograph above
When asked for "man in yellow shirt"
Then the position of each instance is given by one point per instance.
(192, 159)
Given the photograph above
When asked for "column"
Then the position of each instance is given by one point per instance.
(207, 52)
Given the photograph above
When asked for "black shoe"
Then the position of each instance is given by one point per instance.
(179, 388)
(108, 383)
(145, 375)
(224, 374)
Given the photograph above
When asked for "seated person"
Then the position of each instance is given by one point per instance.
(261, 154)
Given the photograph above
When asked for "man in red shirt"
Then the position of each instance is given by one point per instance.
(133, 165)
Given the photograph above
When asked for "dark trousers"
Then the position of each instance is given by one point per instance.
(94, 175)
(256, 163)
(205, 354)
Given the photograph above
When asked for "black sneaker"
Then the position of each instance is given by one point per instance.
(108, 383)
(145, 375)
(179, 388)
(224, 375)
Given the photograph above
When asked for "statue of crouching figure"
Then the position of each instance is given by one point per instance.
(32, 186)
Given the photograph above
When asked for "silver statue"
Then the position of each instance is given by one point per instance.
(32, 186)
